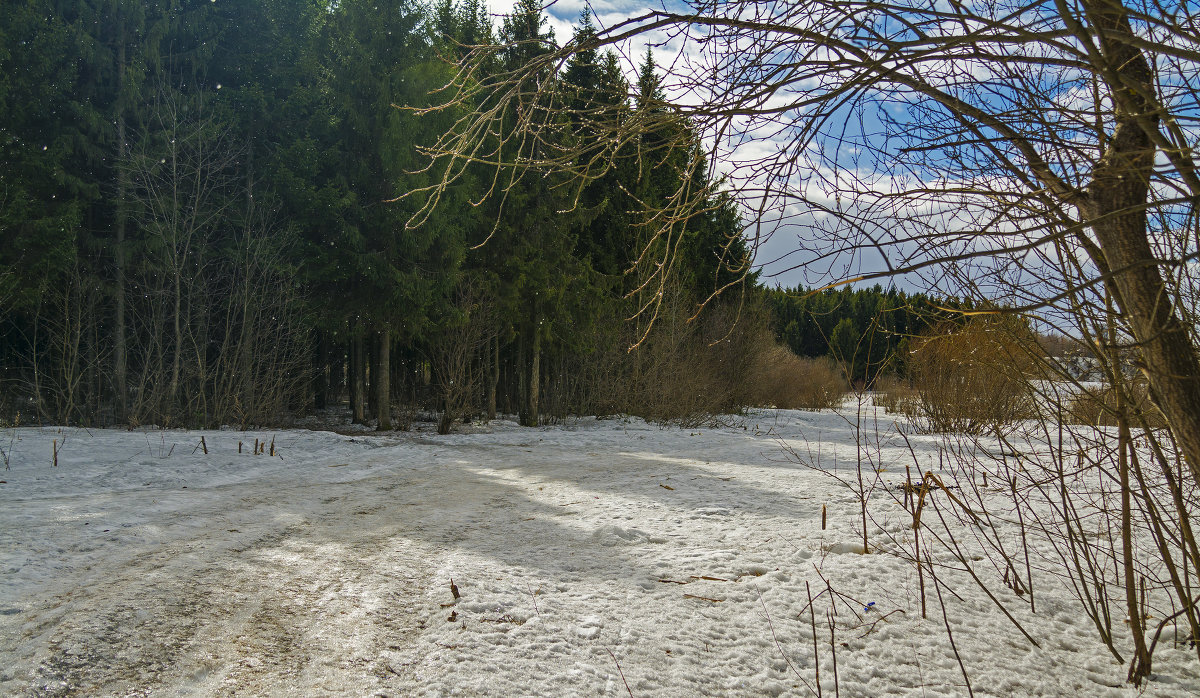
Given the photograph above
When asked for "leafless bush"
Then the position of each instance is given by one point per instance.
(8, 439)
(1058, 345)
(782, 379)
(676, 374)
(460, 338)
(66, 354)
(1100, 406)
(215, 330)
(970, 380)
(1105, 510)
(687, 371)
(896, 395)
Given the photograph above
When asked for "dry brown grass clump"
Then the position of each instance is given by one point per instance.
(690, 373)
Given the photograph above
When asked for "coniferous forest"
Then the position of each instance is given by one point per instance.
(209, 216)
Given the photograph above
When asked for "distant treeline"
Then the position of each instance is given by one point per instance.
(200, 225)
(866, 330)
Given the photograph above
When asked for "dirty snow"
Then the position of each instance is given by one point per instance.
(602, 557)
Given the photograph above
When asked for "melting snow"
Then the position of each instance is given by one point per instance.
(606, 557)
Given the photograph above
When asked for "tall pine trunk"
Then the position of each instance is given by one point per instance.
(381, 380)
(357, 379)
(522, 376)
(370, 373)
(120, 381)
(493, 376)
(337, 372)
(320, 369)
(531, 381)
(535, 380)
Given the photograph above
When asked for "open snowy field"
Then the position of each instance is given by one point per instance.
(604, 557)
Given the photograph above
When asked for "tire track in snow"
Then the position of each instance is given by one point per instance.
(259, 612)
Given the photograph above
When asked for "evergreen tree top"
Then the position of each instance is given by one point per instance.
(525, 33)
(649, 92)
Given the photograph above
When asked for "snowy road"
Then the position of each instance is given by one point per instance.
(602, 558)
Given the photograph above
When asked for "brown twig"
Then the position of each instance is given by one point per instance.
(837, 687)
(614, 658)
(871, 627)
(533, 596)
(812, 614)
(783, 654)
(937, 585)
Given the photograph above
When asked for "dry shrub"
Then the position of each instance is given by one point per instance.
(973, 379)
(693, 372)
(678, 373)
(896, 395)
(1058, 345)
(782, 379)
(684, 391)
(689, 372)
(1099, 407)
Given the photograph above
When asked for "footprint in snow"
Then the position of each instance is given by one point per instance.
(615, 535)
(589, 627)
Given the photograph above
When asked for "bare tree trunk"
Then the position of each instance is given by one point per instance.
(337, 373)
(522, 378)
(320, 368)
(120, 381)
(199, 314)
(177, 348)
(1116, 204)
(357, 387)
(381, 380)
(533, 381)
(248, 309)
(1139, 667)
(1168, 358)
(494, 377)
(94, 364)
(371, 371)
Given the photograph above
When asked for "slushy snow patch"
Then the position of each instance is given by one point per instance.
(605, 557)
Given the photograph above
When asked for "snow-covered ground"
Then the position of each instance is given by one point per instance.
(604, 557)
